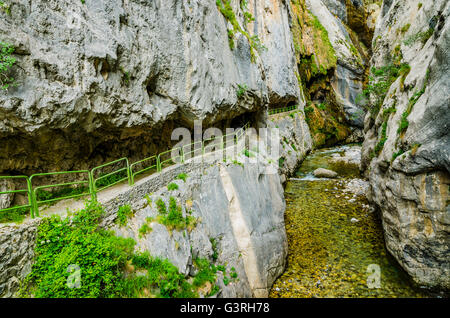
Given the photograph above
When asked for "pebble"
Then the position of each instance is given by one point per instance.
(353, 220)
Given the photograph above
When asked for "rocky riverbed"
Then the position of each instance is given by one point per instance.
(336, 244)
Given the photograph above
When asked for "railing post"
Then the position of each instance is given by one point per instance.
(30, 197)
(34, 202)
(130, 182)
(92, 189)
(158, 164)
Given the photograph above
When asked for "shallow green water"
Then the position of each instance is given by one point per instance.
(329, 255)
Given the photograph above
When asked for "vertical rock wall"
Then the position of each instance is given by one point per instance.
(406, 152)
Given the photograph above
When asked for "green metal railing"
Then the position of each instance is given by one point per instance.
(99, 187)
(274, 111)
(153, 163)
(28, 191)
(35, 200)
(94, 181)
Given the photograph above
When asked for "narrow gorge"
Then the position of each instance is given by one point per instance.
(224, 149)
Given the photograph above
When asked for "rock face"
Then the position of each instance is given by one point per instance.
(105, 79)
(337, 17)
(406, 152)
(295, 141)
(239, 208)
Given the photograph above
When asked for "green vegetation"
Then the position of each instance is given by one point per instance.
(403, 72)
(248, 153)
(43, 195)
(281, 161)
(97, 252)
(242, 89)
(322, 106)
(398, 153)
(77, 258)
(123, 214)
(173, 218)
(225, 8)
(206, 272)
(16, 215)
(405, 28)
(404, 123)
(144, 230)
(214, 248)
(5, 7)
(111, 179)
(237, 163)
(172, 186)
(389, 111)
(6, 62)
(380, 81)
(182, 176)
(379, 146)
(149, 200)
(420, 36)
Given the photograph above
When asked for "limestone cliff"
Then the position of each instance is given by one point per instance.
(331, 40)
(406, 152)
(99, 80)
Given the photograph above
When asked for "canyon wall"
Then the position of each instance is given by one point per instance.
(406, 152)
(101, 80)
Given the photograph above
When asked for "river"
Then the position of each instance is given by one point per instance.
(336, 245)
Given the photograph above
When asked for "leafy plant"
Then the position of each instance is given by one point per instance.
(214, 248)
(242, 89)
(173, 218)
(161, 206)
(100, 259)
(144, 230)
(182, 176)
(206, 272)
(6, 62)
(380, 81)
(5, 7)
(420, 36)
(123, 214)
(61, 243)
(172, 186)
(14, 215)
(382, 140)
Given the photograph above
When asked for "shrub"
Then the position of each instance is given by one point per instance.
(182, 176)
(382, 140)
(6, 62)
(172, 186)
(144, 230)
(161, 206)
(206, 272)
(61, 243)
(123, 214)
(99, 259)
(242, 89)
(405, 28)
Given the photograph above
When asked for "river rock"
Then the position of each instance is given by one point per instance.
(324, 173)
